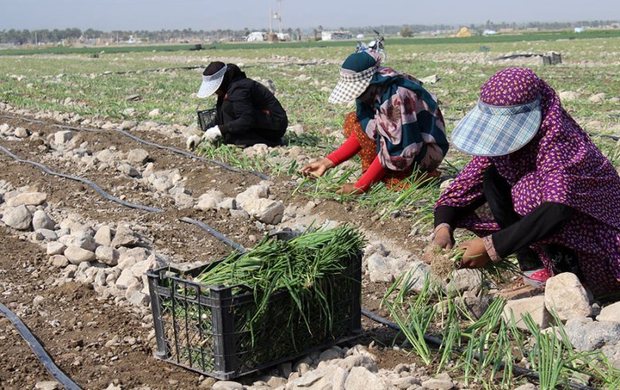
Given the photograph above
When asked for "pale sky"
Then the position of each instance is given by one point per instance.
(110, 15)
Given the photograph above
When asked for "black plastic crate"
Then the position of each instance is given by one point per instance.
(203, 328)
(206, 118)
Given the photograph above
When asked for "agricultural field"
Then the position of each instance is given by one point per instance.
(75, 112)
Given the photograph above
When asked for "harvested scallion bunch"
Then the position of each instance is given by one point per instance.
(298, 266)
(443, 262)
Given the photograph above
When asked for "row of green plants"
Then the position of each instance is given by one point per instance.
(415, 201)
(104, 95)
(88, 81)
(490, 351)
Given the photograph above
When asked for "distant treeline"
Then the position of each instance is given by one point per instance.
(21, 37)
(55, 36)
(520, 36)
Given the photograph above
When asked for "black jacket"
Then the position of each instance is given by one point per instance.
(249, 113)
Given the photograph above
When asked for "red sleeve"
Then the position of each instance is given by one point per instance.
(347, 150)
(373, 174)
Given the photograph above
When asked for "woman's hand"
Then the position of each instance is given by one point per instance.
(443, 237)
(349, 189)
(212, 134)
(475, 255)
(317, 168)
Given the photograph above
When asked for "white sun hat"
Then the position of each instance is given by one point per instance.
(211, 83)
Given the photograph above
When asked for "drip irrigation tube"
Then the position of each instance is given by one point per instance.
(190, 155)
(436, 341)
(151, 70)
(89, 183)
(114, 199)
(172, 149)
(214, 233)
(38, 349)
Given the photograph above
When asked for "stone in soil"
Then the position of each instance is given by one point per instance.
(535, 306)
(18, 218)
(28, 199)
(565, 295)
(610, 313)
(40, 220)
(77, 255)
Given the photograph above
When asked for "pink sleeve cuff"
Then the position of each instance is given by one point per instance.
(488, 245)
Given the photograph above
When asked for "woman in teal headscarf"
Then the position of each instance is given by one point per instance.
(397, 127)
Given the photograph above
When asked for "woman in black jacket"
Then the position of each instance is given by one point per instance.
(247, 112)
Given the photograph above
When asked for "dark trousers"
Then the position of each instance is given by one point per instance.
(498, 194)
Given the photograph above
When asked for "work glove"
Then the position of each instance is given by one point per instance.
(193, 141)
(212, 134)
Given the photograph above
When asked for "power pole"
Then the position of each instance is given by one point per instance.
(280, 16)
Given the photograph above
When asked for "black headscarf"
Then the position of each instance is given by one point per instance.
(233, 73)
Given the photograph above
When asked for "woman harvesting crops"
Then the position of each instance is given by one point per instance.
(247, 112)
(397, 127)
(553, 196)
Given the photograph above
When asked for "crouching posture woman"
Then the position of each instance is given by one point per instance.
(554, 199)
(247, 112)
(397, 128)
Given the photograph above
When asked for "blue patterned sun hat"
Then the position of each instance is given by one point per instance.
(506, 118)
(355, 75)
(497, 130)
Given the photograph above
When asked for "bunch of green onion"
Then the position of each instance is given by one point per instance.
(296, 266)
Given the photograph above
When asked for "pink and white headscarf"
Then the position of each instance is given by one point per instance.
(562, 165)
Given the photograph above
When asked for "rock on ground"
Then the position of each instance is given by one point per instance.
(40, 220)
(440, 382)
(28, 199)
(565, 295)
(610, 313)
(227, 385)
(77, 255)
(535, 306)
(361, 379)
(18, 218)
(588, 335)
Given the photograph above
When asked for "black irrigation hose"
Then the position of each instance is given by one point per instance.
(214, 233)
(112, 198)
(436, 341)
(190, 155)
(150, 143)
(192, 67)
(89, 183)
(38, 349)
